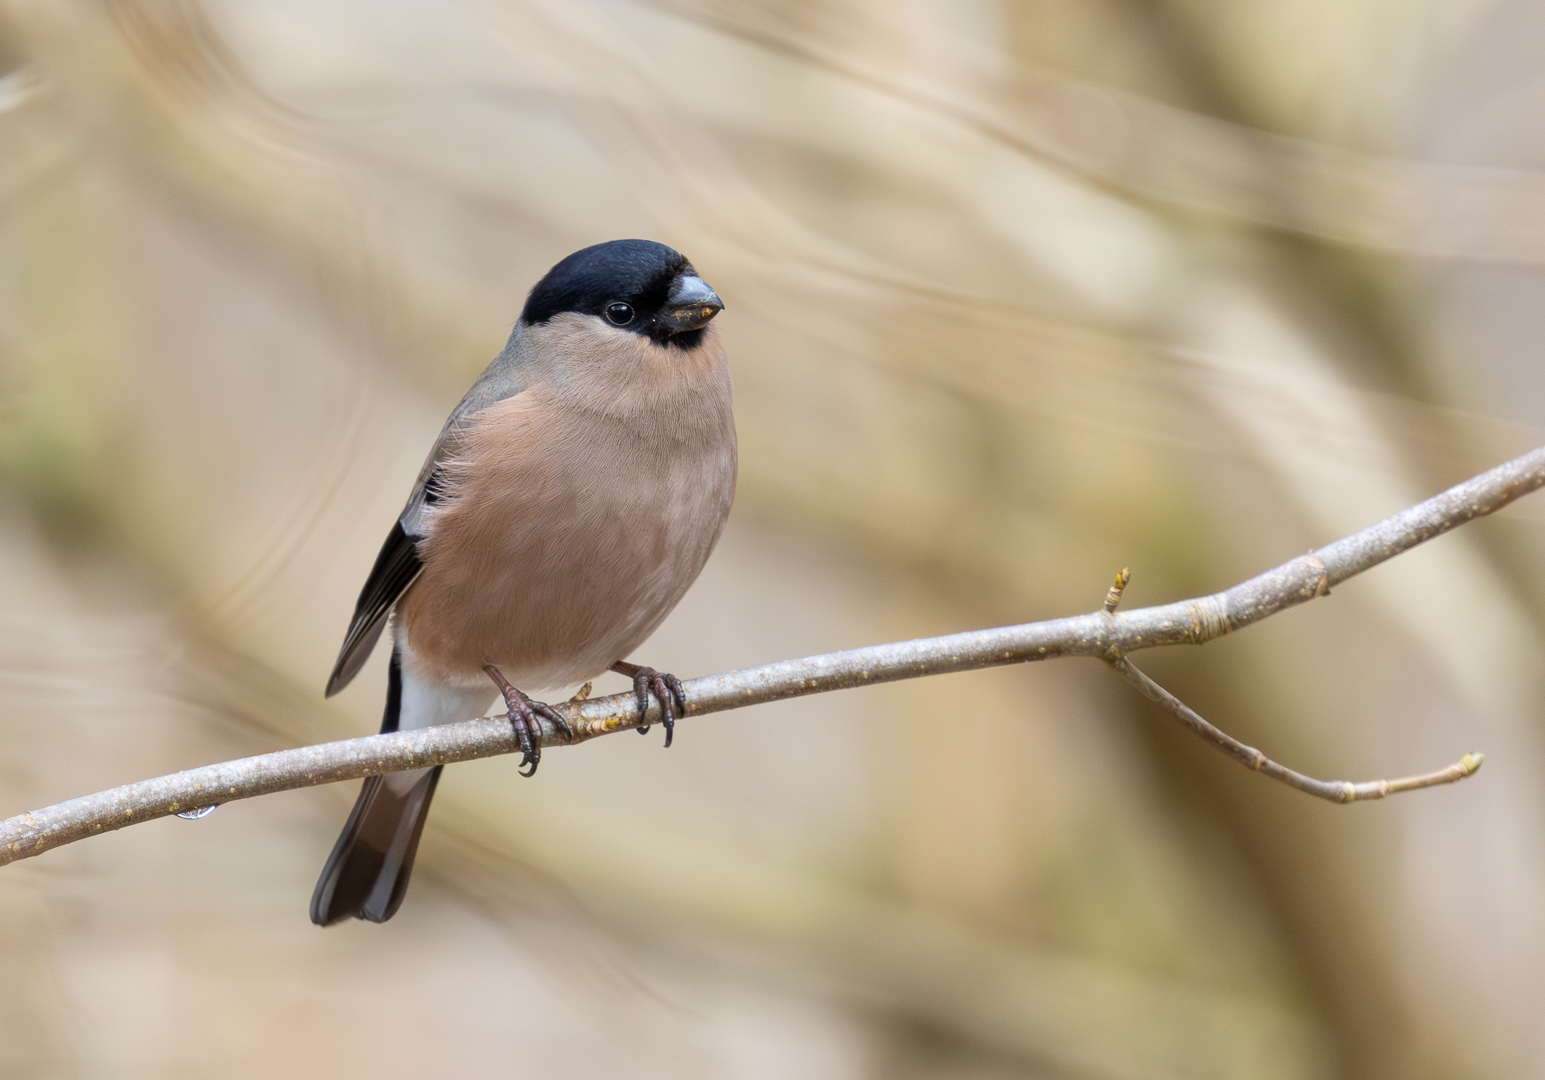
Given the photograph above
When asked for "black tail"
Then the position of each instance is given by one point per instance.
(367, 874)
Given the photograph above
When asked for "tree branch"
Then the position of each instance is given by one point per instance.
(1107, 634)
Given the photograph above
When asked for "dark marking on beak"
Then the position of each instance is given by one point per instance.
(690, 305)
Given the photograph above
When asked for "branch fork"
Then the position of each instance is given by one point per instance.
(1212, 621)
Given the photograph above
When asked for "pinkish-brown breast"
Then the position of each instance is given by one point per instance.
(579, 512)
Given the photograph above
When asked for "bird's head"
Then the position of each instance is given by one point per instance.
(630, 285)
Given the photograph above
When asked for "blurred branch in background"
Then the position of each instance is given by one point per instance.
(1174, 157)
(1107, 634)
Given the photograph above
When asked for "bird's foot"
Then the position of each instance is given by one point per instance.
(666, 688)
(523, 714)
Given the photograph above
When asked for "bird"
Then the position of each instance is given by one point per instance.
(571, 499)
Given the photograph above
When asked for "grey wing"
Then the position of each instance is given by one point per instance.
(398, 563)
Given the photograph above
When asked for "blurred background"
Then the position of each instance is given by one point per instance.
(1019, 292)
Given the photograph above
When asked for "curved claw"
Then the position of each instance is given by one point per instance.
(530, 750)
(641, 691)
(666, 688)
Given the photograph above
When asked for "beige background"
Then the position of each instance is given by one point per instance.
(1018, 293)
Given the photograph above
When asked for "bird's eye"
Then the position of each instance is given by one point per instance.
(620, 314)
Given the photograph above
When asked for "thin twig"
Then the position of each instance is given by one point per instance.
(1340, 791)
(1106, 635)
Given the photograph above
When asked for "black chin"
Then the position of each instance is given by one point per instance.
(686, 339)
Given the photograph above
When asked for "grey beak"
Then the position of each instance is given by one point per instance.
(690, 304)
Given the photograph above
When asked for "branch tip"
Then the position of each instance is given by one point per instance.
(1378, 789)
(1113, 598)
